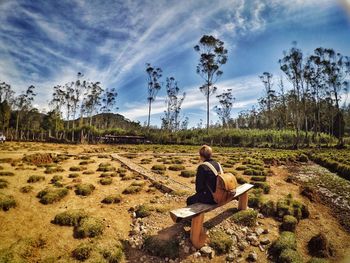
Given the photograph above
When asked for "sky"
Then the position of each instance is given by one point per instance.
(47, 42)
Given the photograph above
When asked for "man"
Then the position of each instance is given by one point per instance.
(205, 178)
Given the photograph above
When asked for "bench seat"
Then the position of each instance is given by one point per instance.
(197, 211)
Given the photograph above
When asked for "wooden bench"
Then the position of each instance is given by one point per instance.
(197, 211)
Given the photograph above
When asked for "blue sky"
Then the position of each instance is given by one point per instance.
(47, 42)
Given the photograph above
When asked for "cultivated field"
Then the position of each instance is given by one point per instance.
(68, 203)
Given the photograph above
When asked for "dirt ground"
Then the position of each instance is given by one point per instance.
(31, 219)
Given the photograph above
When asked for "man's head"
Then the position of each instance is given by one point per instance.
(205, 152)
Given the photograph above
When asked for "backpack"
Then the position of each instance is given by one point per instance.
(226, 185)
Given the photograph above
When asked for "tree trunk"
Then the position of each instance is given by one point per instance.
(149, 113)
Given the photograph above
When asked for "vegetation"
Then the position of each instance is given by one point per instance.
(245, 217)
(112, 199)
(106, 181)
(52, 195)
(3, 183)
(319, 246)
(84, 189)
(82, 252)
(7, 202)
(285, 241)
(187, 173)
(220, 241)
(162, 248)
(4, 173)
(89, 227)
(26, 189)
(35, 178)
(289, 223)
(69, 218)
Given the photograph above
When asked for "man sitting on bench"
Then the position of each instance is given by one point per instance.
(205, 178)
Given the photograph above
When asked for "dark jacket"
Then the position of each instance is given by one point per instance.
(206, 178)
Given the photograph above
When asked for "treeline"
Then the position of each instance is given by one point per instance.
(315, 103)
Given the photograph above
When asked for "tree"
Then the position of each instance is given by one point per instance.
(153, 87)
(92, 99)
(292, 65)
(174, 102)
(226, 100)
(109, 101)
(77, 90)
(23, 103)
(269, 98)
(212, 56)
(336, 69)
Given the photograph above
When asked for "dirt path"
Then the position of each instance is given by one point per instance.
(166, 184)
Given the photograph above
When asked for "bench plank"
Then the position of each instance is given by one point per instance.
(190, 211)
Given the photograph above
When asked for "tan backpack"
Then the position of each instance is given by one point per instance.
(226, 185)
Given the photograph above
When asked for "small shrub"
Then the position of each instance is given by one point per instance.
(245, 217)
(241, 168)
(146, 161)
(176, 167)
(52, 195)
(69, 218)
(258, 178)
(143, 211)
(82, 252)
(289, 223)
(4, 173)
(114, 256)
(86, 162)
(162, 248)
(158, 167)
(285, 241)
(132, 189)
(88, 172)
(105, 167)
(56, 178)
(187, 173)
(220, 241)
(84, 189)
(289, 256)
(73, 175)
(268, 208)
(241, 180)
(139, 183)
(89, 227)
(77, 168)
(112, 199)
(106, 181)
(51, 170)
(251, 171)
(262, 185)
(7, 202)
(3, 183)
(255, 198)
(35, 178)
(319, 246)
(26, 189)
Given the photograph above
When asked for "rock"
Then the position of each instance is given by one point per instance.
(259, 231)
(252, 256)
(261, 216)
(261, 248)
(230, 231)
(239, 260)
(197, 254)
(230, 257)
(266, 231)
(206, 250)
(242, 245)
(265, 241)
(186, 249)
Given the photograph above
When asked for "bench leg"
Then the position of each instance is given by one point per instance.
(198, 236)
(243, 201)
